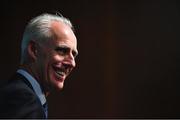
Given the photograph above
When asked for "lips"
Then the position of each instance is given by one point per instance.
(59, 72)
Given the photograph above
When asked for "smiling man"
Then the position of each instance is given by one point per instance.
(48, 52)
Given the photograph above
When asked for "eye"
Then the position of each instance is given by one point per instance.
(62, 50)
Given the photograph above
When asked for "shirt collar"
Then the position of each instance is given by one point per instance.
(34, 84)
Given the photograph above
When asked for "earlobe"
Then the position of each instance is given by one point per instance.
(32, 50)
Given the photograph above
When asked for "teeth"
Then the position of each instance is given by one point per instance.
(60, 73)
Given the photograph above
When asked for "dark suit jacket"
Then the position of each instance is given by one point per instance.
(18, 100)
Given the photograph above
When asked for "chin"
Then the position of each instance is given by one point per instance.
(58, 85)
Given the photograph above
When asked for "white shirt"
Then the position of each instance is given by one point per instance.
(34, 84)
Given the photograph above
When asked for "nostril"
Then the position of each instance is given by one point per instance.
(67, 64)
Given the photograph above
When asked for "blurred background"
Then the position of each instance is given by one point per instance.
(129, 56)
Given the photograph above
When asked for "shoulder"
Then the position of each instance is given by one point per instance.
(17, 86)
(19, 100)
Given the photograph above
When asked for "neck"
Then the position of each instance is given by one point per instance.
(35, 74)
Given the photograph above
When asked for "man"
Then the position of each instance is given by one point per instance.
(48, 52)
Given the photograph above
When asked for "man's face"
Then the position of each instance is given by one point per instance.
(56, 58)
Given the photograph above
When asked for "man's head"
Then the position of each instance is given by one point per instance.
(48, 50)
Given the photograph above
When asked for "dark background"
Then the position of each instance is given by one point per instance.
(128, 63)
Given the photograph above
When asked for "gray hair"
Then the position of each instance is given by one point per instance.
(39, 29)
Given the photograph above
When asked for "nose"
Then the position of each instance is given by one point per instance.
(70, 61)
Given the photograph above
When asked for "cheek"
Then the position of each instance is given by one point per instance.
(45, 65)
(50, 61)
(49, 65)
(57, 57)
(51, 74)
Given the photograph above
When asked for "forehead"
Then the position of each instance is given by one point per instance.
(63, 35)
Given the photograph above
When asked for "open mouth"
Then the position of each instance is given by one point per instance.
(60, 73)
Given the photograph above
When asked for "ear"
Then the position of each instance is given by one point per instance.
(32, 50)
